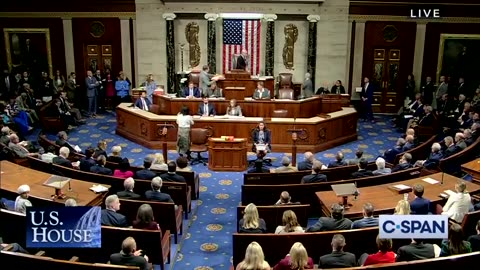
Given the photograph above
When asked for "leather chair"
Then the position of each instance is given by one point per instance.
(285, 80)
(194, 77)
(285, 93)
(199, 141)
(280, 113)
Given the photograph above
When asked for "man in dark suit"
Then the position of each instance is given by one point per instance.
(143, 102)
(417, 250)
(155, 194)
(368, 219)
(242, 60)
(130, 256)
(171, 175)
(335, 222)
(362, 169)
(391, 153)
(427, 118)
(109, 216)
(8, 85)
(367, 99)
(146, 173)
(419, 205)
(338, 258)
(433, 159)
(100, 166)
(339, 162)
(316, 176)
(63, 141)
(307, 163)
(128, 193)
(404, 163)
(62, 159)
(191, 91)
(427, 91)
(87, 161)
(92, 84)
(409, 143)
(206, 109)
(451, 148)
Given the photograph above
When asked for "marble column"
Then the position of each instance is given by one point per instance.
(68, 43)
(418, 53)
(138, 81)
(270, 44)
(332, 46)
(357, 58)
(169, 17)
(312, 45)
(126, 48)
(212, 41)
(150, 42)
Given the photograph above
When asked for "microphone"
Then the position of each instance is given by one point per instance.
(355, 193)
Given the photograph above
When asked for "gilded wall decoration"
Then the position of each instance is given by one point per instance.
(191, 35)
(291, 35)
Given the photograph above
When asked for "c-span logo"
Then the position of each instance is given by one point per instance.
(64, 227)
(413, 226)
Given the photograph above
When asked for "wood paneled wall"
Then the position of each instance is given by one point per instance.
(69, 6)
(82, 37)
(56, 37)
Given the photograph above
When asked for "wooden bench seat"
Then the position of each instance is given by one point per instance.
(192, 179)
(273, 214)
(333, 174)
(305, 193)
(179, 192)
(452, 164)
(22, 261)
(165, 214)
(420, 152)
(12, 227)
(276, 246)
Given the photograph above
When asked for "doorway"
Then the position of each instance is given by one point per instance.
(386, 70)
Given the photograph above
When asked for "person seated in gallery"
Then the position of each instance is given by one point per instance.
(146, 173)
(336, 222)
(130, 256)
(145, 219)
(88, 160)
(368, 219)
(261, 137)
(182, 165)
(381, 169)
(286, 166)
(433, 159)
(362, 169)
(233, 109)
(99, 168)
(404, 163)
(214, 91)
(315, 176)
(206, 109)
(419, 205)
(261, 92)
(284, 199)
(62, 158)
(143, 102)
(171, 175)
(128, 193)
(191, 91)
(116, 156)
(409, 143)
(339, 161)
(337, 88)
(22, 202)
(109, 215)
(258, 164)
(391, 153)
(156, 194)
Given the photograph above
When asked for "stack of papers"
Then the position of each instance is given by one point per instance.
(449, 192)
(98, 188)
(430, 180)
(401, 187)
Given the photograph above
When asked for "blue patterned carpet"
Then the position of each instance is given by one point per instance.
(206, 242)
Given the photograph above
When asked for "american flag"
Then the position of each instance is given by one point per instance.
(239, 35)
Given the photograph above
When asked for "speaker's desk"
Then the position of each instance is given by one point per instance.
(318, 133)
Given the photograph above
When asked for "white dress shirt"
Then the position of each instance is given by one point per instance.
(144, 105)
(205, 109)
(184, 121)
(457, 206)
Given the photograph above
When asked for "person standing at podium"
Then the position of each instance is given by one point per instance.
(234, 109)
(242, 60)
(184, 122)
(206, 109)
(191, 91)
(261, 92)
(261, 136)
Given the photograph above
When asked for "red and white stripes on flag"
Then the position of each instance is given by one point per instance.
(239, 35)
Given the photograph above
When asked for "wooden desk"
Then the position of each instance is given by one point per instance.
(250, 84)
(473, 168)
(320, 133)
(15, 175)
(227, 155)
(385, 199)
(304, 108)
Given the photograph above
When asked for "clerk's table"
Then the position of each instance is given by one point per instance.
(473, 168)
(227, 155)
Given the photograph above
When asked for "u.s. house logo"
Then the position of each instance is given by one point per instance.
(64, 227)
